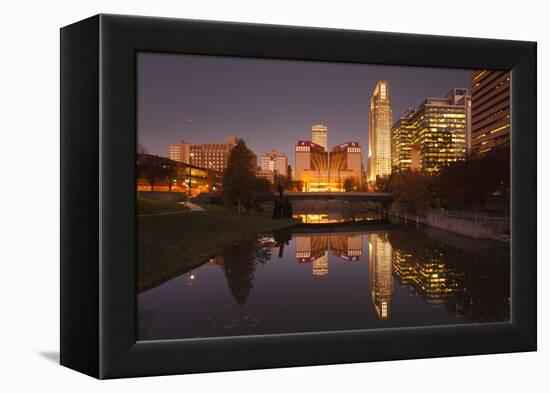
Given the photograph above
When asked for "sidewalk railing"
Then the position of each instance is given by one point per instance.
(488, 216)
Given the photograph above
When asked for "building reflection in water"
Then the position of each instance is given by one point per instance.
(380, 271)
(314, 248)
(334, 217)
(348, 247)
(475, 286)
(423, 270)
(430, 278)
(438, 274)
(320, 266)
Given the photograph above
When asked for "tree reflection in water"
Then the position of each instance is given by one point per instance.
(239, 262)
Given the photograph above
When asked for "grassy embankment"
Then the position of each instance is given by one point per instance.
(146, 206)
(172, 244)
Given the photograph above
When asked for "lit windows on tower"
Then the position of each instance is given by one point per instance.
(319, 135)
(379, 132)
(432, 135)
(490, 109)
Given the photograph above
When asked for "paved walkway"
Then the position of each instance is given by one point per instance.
(192, 207)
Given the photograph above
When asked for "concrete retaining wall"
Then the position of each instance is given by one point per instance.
(474, 228)
(471, 228)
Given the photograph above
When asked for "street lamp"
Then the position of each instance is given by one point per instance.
(191, 277)
(190, 181)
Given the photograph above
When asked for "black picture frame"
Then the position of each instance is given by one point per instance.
(98, 235)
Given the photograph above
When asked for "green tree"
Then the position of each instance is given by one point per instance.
(171, 172)
(239, 178)
(155, 168)
(413, 188)
(476, 179)
(350, 184)
(381, 184)
(296, 185)
(239, 264)
(263, 186)
(284, 181)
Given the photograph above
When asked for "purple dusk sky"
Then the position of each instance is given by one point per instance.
(270, 103)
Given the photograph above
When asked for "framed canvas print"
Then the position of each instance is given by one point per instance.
(240, 196)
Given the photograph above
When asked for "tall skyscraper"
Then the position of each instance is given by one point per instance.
(434, 134)
(380, 123)
(319, 135)
(402, 139)
(490, 110)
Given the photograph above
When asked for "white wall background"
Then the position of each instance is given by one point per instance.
(29, 155)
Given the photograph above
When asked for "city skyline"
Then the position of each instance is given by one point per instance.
(360, 187)
(203, 99)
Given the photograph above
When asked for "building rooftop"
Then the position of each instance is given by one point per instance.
(310, 144)
(346, 145)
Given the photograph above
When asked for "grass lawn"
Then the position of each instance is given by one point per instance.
(147, 206)
(172, 244)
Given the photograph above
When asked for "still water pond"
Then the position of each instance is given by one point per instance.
(306, 280)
